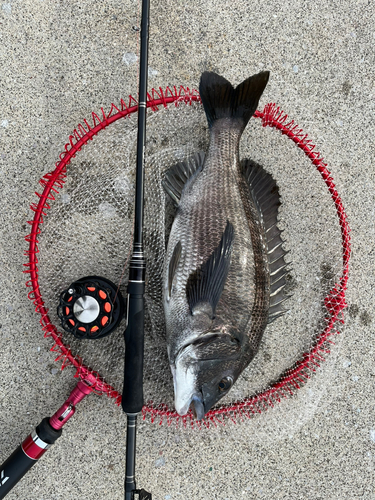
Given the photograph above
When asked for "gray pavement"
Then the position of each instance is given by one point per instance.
(62, 60)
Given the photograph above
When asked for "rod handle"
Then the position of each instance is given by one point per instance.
(132, 396)
(26, 455)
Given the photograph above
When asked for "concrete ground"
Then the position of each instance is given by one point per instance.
(62, 60)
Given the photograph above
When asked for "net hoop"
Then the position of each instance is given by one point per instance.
(289, 381)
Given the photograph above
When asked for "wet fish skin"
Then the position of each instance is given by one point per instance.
(216, 275)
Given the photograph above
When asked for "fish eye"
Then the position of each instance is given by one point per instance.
(225, 384)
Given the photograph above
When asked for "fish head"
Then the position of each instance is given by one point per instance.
(205, 370)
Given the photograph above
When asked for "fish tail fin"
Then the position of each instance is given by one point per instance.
(221, 100)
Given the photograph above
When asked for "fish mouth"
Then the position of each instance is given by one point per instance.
(197, 407)
(196, 404)
(188, 391)
(187, 394)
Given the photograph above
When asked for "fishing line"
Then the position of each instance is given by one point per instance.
(136, 29)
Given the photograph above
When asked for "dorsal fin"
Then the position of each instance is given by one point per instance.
(205, 285)
(265, 194)
(178, 176)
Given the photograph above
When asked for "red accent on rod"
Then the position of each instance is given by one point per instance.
(31, 449)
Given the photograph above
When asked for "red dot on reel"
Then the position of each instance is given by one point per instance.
(82, 328)
(107, 307)
(104, 320)
(72, 322)
(102, 294)
(94, 329)
(91, 288)
(67, 311)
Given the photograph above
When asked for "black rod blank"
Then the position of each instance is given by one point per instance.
(141, 140)
(132, 397)
(131, 433)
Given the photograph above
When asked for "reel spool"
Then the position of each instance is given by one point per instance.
(91, 308)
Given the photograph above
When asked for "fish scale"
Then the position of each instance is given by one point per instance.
(222, 252)
(201, 220)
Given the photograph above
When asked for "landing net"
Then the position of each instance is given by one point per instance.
(83, 223)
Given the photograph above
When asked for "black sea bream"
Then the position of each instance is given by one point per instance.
(224, 270)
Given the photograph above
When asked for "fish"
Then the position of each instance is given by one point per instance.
(224, 272)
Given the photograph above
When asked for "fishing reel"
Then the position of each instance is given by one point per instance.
(91, 308)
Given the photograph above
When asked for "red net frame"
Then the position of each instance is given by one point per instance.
(293, 378)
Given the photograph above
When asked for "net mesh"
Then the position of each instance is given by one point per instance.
(87, 211)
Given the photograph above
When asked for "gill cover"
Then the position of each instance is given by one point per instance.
(201, 374)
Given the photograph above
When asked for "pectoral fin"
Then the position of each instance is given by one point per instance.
(175, 259)
(205, 285)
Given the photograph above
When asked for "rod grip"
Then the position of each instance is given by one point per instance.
(26, 455)
(13, 470)
(132, 396)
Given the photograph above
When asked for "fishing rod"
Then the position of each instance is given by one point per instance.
(132, 396)
(86, 295)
